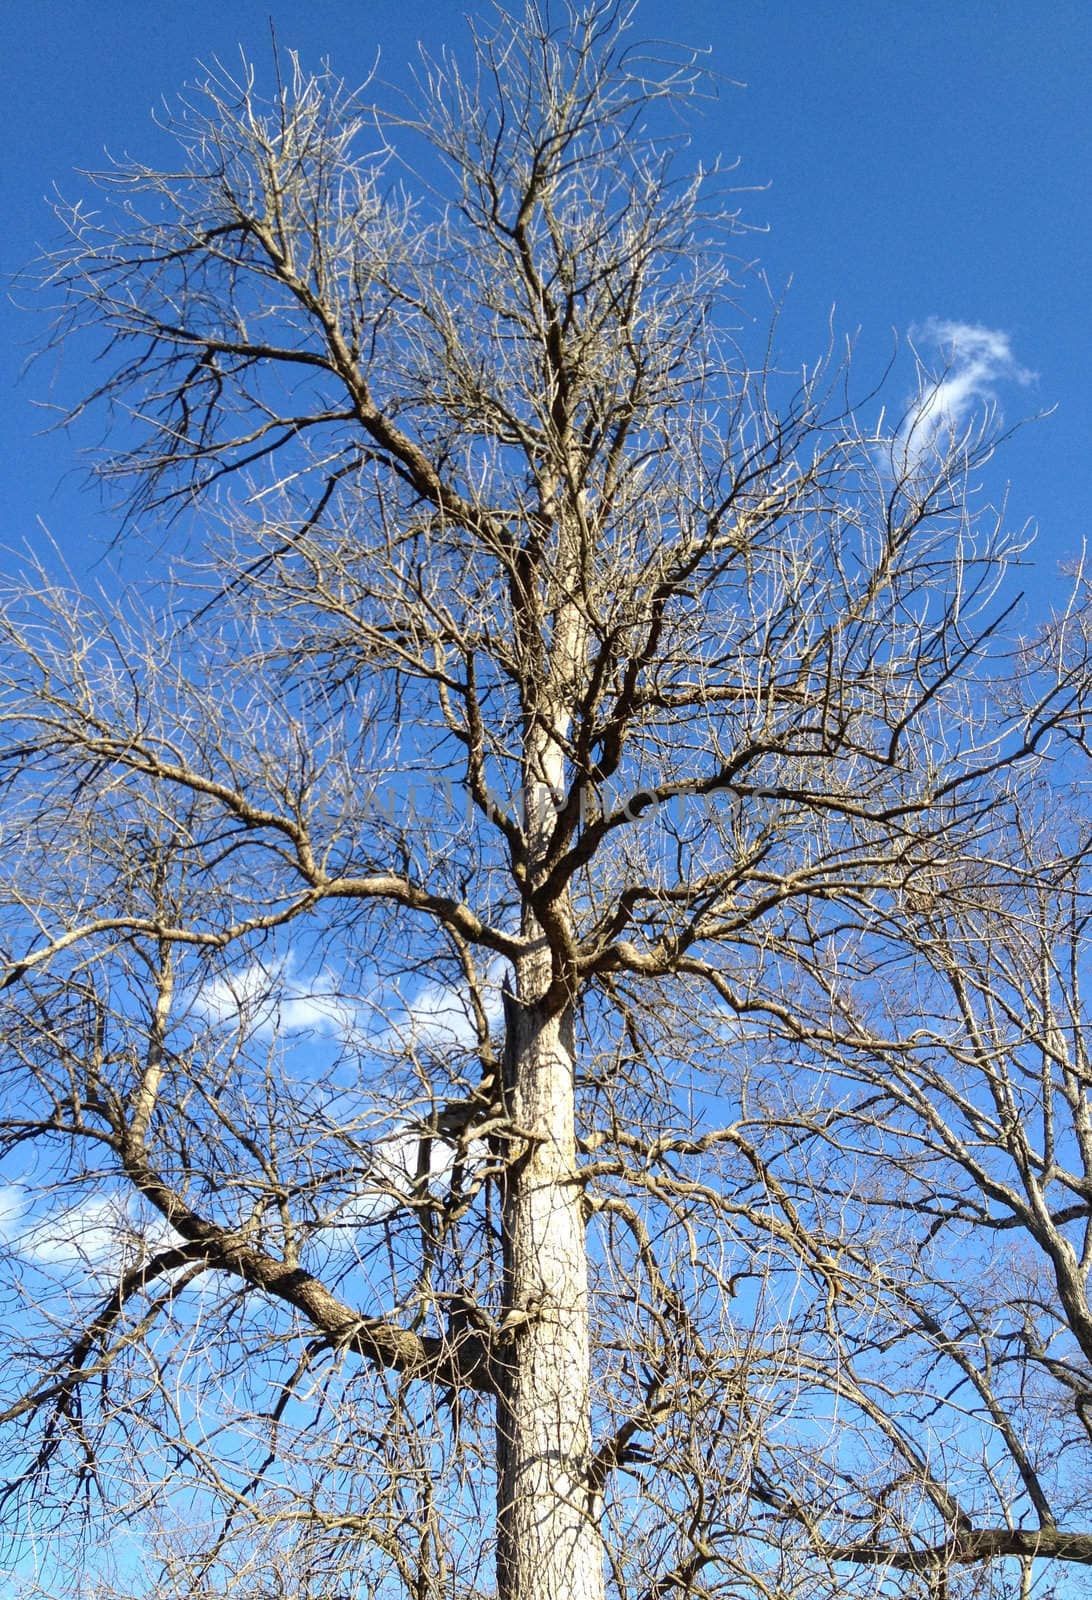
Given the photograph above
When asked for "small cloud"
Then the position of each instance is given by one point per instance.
(440, 1016)
(396, 1175)
(92, 1233)
(12, 1206)
(97, 1233)
(267, 1000)
(397, 1164)
(974, 361)
(243, 995)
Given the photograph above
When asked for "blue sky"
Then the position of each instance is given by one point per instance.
(909, 161)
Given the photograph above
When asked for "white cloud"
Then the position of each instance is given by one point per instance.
(91, 1233)
(268, 1000)
(397, 1158)
(12, 1206)
(394, 1177)
(95, 1233)
(974, 362)
(440, 1016)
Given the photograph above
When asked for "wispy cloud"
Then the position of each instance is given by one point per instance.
(12, 1206)
(275, 999)
(398, 1161)
(266, 999)
(440, 1016)
(403, 1162)
(96, 1233)
(963, 365)
(92, 1233)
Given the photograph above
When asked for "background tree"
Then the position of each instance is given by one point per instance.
(515, 918)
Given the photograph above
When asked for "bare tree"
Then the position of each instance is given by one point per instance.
(477, 918)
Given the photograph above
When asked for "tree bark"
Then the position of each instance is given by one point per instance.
(548, 1543)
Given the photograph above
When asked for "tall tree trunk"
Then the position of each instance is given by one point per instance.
(548, 1546)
